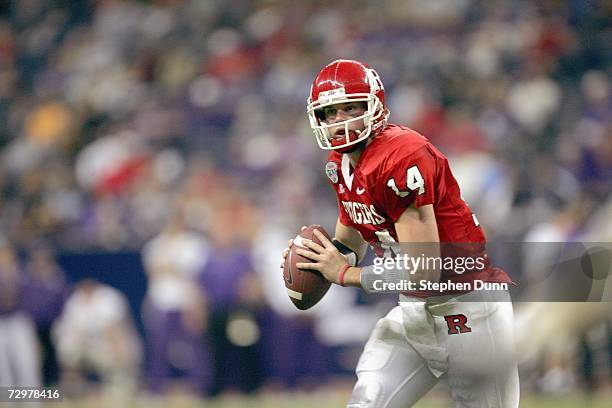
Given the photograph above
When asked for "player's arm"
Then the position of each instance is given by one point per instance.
(415, 226)
(351, 239)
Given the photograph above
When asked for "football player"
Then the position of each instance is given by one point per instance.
(393, 186)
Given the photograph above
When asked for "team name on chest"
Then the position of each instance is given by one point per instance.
(361, 213)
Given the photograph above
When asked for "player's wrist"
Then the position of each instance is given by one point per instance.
(352, 276)
(349, 254)
(342, 274)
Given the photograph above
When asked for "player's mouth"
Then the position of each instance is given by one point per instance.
(339, 134)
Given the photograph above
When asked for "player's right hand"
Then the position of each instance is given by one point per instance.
(286, 250)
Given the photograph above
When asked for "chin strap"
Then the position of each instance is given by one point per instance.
(351, 256)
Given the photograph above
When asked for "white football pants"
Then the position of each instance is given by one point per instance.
(19, 355)
(467, 338)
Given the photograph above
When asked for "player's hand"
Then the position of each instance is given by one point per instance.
(326, 258)
(286, 250)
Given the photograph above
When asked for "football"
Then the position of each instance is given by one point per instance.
(304, 287)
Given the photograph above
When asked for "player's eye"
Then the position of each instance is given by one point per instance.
(354, 108)
(329, 112)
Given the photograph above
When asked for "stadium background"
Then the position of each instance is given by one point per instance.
(161, 148)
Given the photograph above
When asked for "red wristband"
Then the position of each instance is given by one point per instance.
(341, 274)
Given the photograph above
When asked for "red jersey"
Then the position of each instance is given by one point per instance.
(398, 168)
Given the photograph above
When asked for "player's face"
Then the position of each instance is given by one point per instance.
(342, 112)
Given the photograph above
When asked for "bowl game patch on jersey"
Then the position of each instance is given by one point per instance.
(331, 169)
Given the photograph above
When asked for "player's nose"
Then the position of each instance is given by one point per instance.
(341, 116)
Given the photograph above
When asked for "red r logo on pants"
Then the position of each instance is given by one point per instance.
(457, 324)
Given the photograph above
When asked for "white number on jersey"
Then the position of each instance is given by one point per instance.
(387, 243)
(414, 181)
(476, 222)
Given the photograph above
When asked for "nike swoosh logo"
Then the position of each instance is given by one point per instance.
(289, 276)
(360, 190)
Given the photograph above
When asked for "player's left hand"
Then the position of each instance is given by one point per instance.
(326, 258)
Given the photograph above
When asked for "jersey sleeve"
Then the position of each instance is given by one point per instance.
(408, 179)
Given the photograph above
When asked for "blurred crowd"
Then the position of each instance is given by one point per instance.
(178, 128)
(118, 113)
